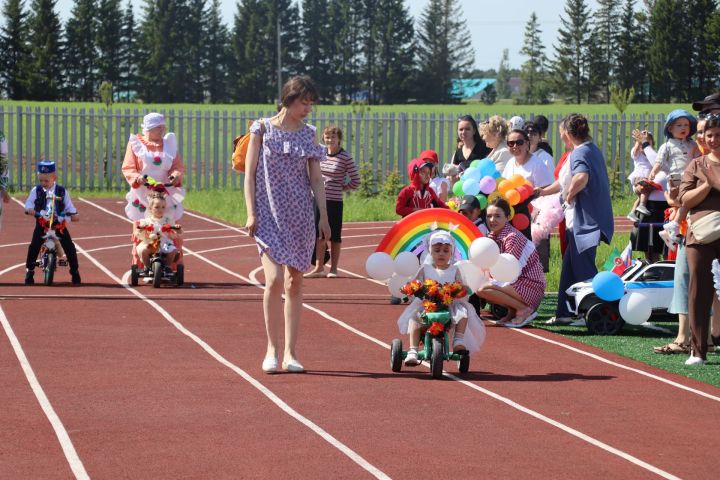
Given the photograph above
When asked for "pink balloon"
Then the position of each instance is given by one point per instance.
(487, 185)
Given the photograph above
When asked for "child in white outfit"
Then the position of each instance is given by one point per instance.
(469, 330)
(674, 155)
(155, 233)
(637, 178)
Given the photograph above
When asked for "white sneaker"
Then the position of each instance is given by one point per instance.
(411, 359)
(672, 246)
(632, 217)
(560, 321)
(692, 360)
(642, 209)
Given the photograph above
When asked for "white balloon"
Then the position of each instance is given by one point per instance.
(379, 266)
(406, 264)
(635, 308)
(506, 269)
(484, 252)
(472, 276)
(471, 187)
(395, 283)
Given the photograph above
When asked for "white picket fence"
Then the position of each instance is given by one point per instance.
(89, 144)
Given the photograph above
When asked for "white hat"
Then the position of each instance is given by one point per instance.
(441, 236)
(152, 120)
(516, 123)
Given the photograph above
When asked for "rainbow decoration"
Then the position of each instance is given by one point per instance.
(407, 235)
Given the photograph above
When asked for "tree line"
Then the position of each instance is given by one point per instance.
(356, 50)
(665, 51)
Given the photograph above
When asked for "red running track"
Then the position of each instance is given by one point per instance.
(166, 383)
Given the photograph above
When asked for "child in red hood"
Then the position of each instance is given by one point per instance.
(418, 195)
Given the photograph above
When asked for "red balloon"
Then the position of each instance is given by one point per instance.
(525, 191)
(521, 221)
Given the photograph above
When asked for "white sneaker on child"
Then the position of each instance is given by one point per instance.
(411, 359)
(632, 217)
(642, 209)
(672, 246)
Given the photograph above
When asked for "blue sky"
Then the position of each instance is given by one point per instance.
(493, 25)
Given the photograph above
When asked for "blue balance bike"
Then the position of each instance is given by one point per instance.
(436, 346)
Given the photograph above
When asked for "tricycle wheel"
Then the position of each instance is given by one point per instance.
(396, 355)
(438, 357)
(464, 363)
(180, 274)
(134, 275)
(49, 268)
(157, 271)
(603, 318)
(498, 311)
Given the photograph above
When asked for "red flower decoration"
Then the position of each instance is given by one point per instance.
(166, 228)
(157, 160)
(136, 202)
(436, 328)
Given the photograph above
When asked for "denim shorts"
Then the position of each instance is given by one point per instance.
(679, 303)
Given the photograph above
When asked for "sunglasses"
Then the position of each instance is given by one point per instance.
(709, 116)
(519, 143)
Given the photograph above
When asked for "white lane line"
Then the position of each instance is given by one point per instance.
(66, 444)
(574, 349)
(9, 269)
(543, 418)
(591, 440)
(351, 454)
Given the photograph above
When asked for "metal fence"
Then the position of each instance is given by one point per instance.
(89, 144)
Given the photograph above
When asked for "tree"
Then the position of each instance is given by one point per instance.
(80, 51)
(317, 45)
(14, 48)
(605, 38)
(533, 75)
(44, 77)
(109, 40)
(215, 61)
(395, 56)
(569, 69)
(345, 57)
(668, 58)
(699, 81)
(442, 52)
(503, 76)
(127, 84)
(711, 56)
(629, 57)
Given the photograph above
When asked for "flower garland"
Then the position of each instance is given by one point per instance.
(435, 297)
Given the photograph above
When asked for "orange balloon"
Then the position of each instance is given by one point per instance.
(517, 180)
(504, 186)
(513, 197)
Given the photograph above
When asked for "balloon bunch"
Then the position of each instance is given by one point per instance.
(485, 258)
(549, 215)
(396, 272)
(483, 180)
(635, 308)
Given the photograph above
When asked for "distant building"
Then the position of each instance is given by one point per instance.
(470, 88)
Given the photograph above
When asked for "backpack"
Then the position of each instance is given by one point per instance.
(240, 146)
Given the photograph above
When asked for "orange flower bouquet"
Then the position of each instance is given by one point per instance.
(435, 297)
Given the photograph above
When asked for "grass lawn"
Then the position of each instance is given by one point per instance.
(632, 342)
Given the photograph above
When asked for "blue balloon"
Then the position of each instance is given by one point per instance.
(472, 173)
(608, 286)
(487, 167)
(496, 175)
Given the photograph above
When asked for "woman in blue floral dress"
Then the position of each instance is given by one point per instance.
(282, 173)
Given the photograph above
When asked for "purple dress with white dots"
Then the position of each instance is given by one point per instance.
(283, 197)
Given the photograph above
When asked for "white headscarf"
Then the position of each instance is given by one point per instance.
(438, 237)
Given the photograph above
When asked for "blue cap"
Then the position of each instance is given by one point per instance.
(46, 166)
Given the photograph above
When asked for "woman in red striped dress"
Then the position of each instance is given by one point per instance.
(522, 297)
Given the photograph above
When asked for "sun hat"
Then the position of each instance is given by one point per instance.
(152, 120)
(430, 155)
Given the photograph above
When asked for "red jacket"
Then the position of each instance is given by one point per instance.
(410, 198)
